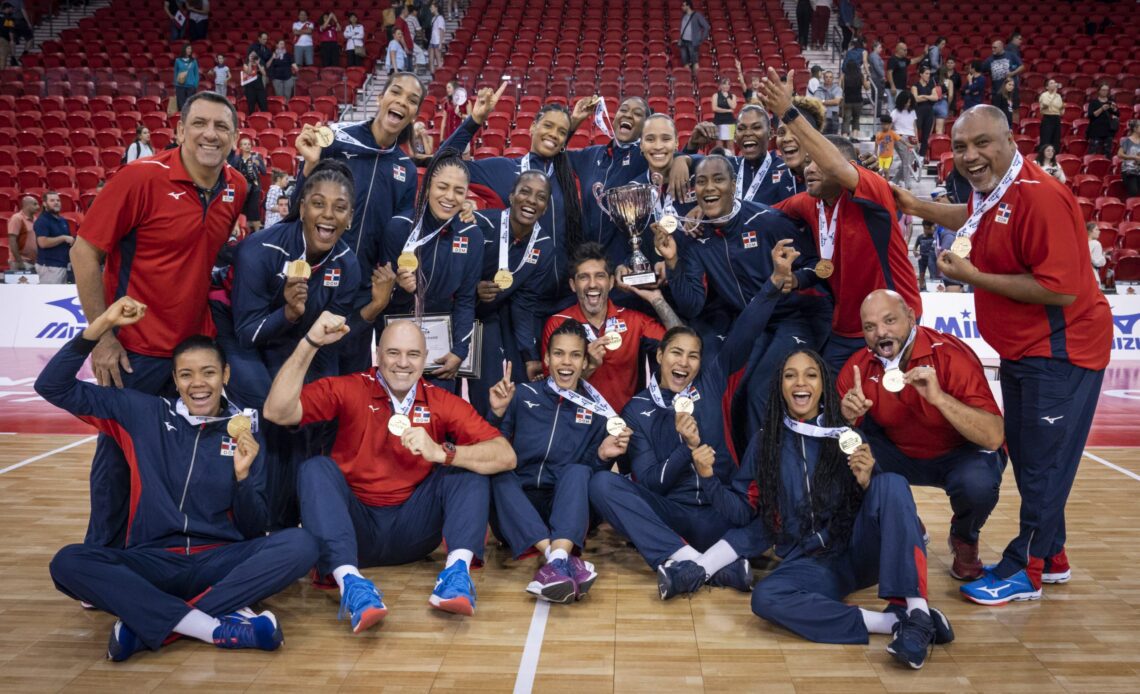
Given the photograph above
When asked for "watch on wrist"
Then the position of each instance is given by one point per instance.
(790, 115)
(448, 452)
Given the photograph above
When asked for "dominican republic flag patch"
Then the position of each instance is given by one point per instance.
(749, 239)
(421, 415)
(1003, 213)
(332, 277)
(399, 173)
(459, 245)
(583, 416)
(532, 257)
(776, 176)
(228, 196)
(229, 446)
(621, 326)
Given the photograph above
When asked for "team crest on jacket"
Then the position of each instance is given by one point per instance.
(399, 173)
(459, 245)
(776, 176)
(1003, 213)
(421, 415)
(583, 416)
(532, 257)
(332, 277)
(228, 194)
(620, 326)
(229, 446)
(749, 239)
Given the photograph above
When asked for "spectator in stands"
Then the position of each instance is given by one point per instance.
(21, 236)
(851, 83)
(252, 167)
(141, 147)
(1104, 120)
(354, 41)
(946, 95)
(973, 92)
(926, 93)
(328, 35)
(221, 73)
(422, 145)
(926, 251)
(751, 90)
(804, 11)
(820, 20)
(176, 11)
(261, 48)
(1002, 64)
(438, 37)
(278, 179)
(832, 97)
(416, 29)
(7, 34)
(951, 75)
(402, 23)
(878, 76)
(185, 75)
(253, 78)
(279, 211)
(1052, 106)
(847, 21)
(302, 40)
(903, 118)
(1003, 99)
(813, 82)
(396, 56)
(453, 110)
(199, 19)
(53, 239)
(1095, 249)
(723, 104)
(694, 31)
(933, 55)
(283, 71)
(897, 67)
(1129, 154)
(885, 141)
(1047, 159)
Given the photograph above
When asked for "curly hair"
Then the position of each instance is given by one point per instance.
(810, 107)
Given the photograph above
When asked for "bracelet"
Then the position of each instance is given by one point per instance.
(311, 342)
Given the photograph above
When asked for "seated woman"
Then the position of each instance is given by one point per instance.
(565, 432)
(196, 551)
(439, 260)
(682, 461)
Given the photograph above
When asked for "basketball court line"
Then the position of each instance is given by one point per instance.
(41, 456)
(1119, 469)
(528, 665)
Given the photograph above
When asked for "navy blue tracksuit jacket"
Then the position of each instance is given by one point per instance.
(612, 165)
(777, 184)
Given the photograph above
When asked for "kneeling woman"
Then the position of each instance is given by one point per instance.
(565, 433)
(196, 551)
(838, 527)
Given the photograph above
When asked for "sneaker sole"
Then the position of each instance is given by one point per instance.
(1017, 597)
(370, 618)
(1056, 578)
(905, 660)
(954, 574)
(560, 593)
(584, 587)
(461, 606)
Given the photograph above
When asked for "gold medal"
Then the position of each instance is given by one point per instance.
(325, 136)
(683, 405)
(849, 441)
(504, 279)
(824, 268)
(668, 223)
(615, 425)
(612, 340)
(238, 424)
(298, 268)
(407, 261)
(962, 246)
(398, 424)
(893, 380)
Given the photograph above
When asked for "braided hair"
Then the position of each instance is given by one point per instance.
(835, 495)
(326, 171)
(446, 157)
(568, 327)
(567, 183)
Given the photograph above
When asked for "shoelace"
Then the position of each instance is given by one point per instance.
(354, 594)
(232, 632)
(456, 579)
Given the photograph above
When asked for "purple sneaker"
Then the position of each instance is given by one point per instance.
(584, 575)
(553, 582)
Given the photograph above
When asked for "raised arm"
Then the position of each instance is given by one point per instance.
(283, 404)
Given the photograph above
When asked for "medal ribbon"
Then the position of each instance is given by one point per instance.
(524, 166)
(982, 206)
(181, 409)
(827, 230)
(595, 403)
(505, 241)
(813, 430)
(414, 241)
(404, 406)
(611, 322)
(755, 185)
(602, 118)
(659, 399)
(889, 364)
(662, 203)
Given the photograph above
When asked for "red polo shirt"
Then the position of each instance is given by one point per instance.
(1037, 229)
(616, 378)
(161, 238)
(379, 470)
(910, 422)
(870, 252)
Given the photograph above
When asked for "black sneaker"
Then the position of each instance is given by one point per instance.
(736, 575)
(679, 578)
(914, 637)
(943, 632)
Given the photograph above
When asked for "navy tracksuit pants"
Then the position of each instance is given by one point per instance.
(151, 590)
(971, 477)
(557, 511)
(110, 473)
(498, 344)
(805, 593)
(839, 349)
(1049, 407)
(656, 525)
(449, 504)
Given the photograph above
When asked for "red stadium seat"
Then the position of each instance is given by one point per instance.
(1109, 210)
(1128, 269)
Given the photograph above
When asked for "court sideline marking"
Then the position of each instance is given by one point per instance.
(41, 456)
(528, 666)
(1119, 469)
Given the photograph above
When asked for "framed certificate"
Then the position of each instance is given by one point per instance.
(437, 331)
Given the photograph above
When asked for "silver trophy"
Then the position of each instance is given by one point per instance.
(629, 206)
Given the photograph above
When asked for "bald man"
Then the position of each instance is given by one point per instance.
(408, 469)
(1039, 306)
(922, 398)
(21, 235)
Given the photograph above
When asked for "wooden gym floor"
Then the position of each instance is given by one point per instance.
(1080, 638)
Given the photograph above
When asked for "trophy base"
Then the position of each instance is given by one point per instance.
(640, 278)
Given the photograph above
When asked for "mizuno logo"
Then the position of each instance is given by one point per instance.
(169, 426)
(994, 591)
(647, 413)
(374, 408)
(177, 195)
(349, 155)
(530, 404)
(1052, 420)
(799, 341)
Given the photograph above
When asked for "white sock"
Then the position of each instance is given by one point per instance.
(197, 625)
(717, 557)
(558, 554)
(546, 552)
(457, 554)
(919, 604)
(686, 553)
(344, 570)
(878, 622)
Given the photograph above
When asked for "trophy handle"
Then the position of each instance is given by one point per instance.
(600, 198)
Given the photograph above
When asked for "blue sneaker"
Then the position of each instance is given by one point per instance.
(454, 590)
(679, 578)
(239, 630)
(123, 643)
(914, 638)
(736, 575)
(991, 590)
(943, 632)
(363, 602)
